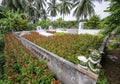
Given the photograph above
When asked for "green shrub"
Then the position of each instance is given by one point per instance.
(102, 78)
(12, 21)
(31, 27)
(93, 23)
(44, 23)
(59, 34)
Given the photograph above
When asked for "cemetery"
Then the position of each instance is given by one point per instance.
(39, 47)
(63, 52)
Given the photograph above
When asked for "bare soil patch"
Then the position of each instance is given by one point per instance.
(111, 65)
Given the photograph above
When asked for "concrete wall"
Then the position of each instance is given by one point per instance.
(89, 31)
(65, 71)
(72, 31)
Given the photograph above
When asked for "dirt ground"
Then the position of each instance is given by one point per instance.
(111, 65)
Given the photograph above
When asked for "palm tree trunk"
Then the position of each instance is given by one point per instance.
(63, 20)
(63, 17)
(52, 20)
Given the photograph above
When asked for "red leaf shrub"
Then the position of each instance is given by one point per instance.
(68, 46)
(21, 66)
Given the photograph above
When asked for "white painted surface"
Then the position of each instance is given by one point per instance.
(82, 58)
(60, 30)
(89, 31)
(43, 32)
(81, 30)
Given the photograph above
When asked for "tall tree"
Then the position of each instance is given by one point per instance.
(14, 4)
(2, 9)
(113, 20)
(65, 7)
(52, 8)
(44, 14)
(84, 8)
(40, 6)
(31, 10)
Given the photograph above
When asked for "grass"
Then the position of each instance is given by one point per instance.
(102, 78)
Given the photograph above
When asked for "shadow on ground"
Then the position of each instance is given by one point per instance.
(111, 65)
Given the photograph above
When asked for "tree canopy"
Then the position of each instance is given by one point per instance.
(113, 20)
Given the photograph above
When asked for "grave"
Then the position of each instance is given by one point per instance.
(81, 30)
(61, 30)
(43, 32)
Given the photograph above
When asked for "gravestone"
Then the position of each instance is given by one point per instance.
(81, 26)
(50, 28)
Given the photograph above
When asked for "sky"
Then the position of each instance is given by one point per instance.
(99, 9)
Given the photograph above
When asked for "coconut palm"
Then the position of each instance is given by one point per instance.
(40, 6)
(65, 7)
(14, 4)
(8, 4)
(52, 8)
(32, 7)
(2, 9)
(44, 14)
(31, 10)
(84, 8)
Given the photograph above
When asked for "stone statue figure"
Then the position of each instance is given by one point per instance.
(91, 63)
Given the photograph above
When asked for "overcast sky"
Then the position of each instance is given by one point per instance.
(99, 9)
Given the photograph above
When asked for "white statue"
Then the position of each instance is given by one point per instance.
(92, 63)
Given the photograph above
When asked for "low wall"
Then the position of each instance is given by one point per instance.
(72, 31)
(88, 31)
(65, 71)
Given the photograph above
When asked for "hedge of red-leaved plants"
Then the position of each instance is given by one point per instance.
(68, 46)
(22, 67)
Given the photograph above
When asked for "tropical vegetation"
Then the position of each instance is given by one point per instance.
(35, 9)
(93, 23)
(112, 21)
(66, 45)
(53, 8)
(2, 57)
(22, 67)
(65, 7)
(25, 15)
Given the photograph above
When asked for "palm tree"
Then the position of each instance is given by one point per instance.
(31, 10)
(2, 9)
(84, 8)
(44, 14)
(40, 6)
(8, 4)
(14, 4)
(65, 7)
(40, 3)
(52, 8)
